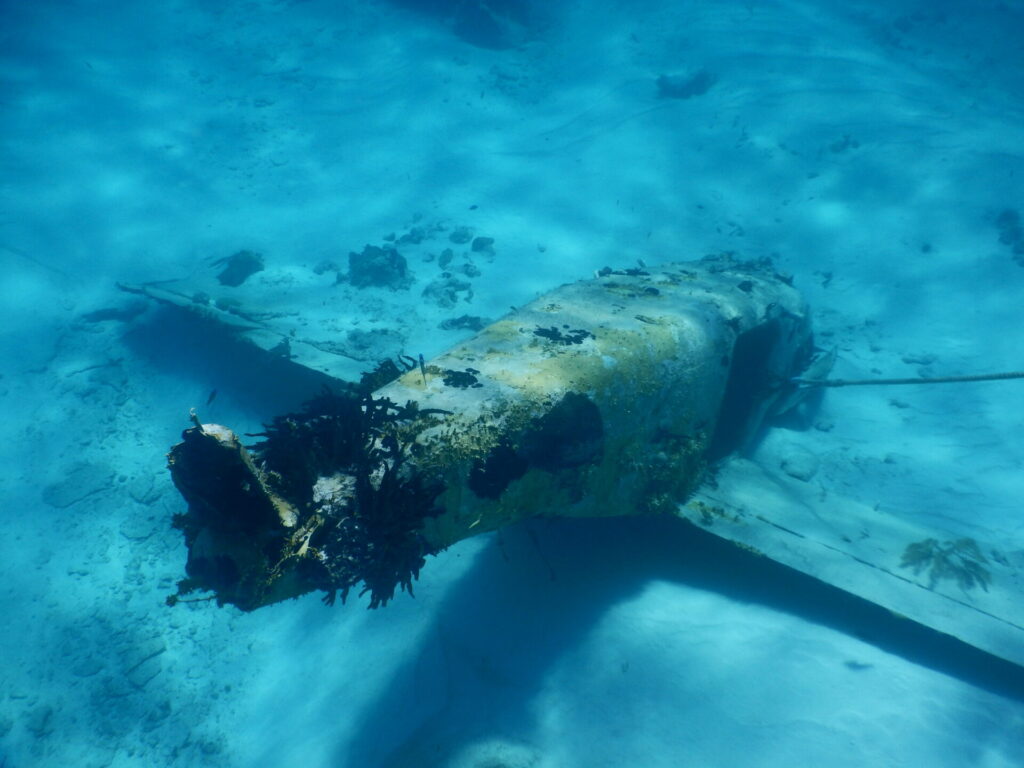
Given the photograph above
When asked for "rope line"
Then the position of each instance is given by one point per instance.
(918, 380)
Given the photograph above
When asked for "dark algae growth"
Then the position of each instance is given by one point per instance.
(960, 561)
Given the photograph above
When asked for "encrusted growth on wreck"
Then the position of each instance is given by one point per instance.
(599, 399)
(341, 465)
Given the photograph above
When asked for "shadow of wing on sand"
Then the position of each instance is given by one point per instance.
(538, 588)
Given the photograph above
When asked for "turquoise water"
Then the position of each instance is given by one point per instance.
(871, 150)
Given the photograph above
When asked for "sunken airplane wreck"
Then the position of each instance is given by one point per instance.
(635, 392)
(603, 397)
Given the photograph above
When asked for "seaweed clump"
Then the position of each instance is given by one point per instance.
(960, 561)
(342, 462)
(327, 499)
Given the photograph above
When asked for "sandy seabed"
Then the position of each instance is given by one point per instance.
(873, 150)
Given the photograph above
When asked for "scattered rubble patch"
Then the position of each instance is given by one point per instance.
(446, 291)
(414, 236)
(238, 267)
(383, 267)
(483, 245)
(461, 235)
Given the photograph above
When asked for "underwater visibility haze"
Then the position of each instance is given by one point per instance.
(512, 384)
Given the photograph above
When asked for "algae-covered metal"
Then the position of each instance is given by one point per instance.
(603, 397)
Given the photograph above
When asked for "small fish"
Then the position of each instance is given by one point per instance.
(423, 370)
(212, 397)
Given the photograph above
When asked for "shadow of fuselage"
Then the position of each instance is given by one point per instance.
(539, 587)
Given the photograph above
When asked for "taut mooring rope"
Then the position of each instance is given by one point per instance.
(918, 380)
